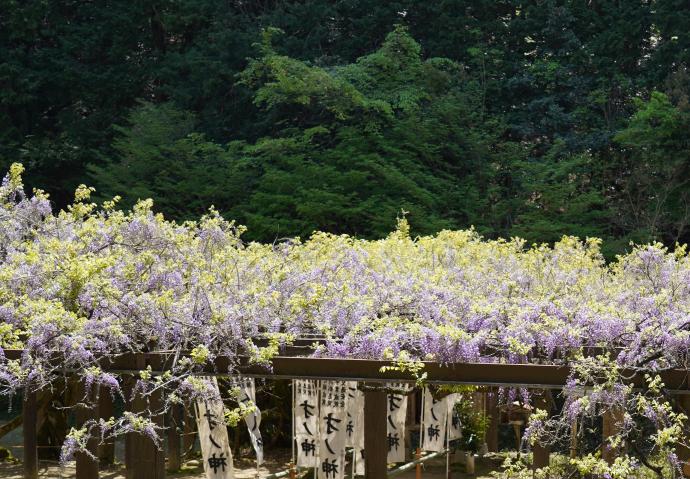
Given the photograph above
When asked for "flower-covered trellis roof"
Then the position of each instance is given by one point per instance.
(95, 281)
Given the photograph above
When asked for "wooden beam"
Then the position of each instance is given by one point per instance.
(375, 434)
(30, 435)
(533, 376)
(11, 425)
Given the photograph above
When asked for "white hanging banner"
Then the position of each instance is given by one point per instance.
(213, 436)
(332, 430)
(306, 422)
(355, 399)
(397, 412)
(355, 418)
(454, 425)
(248, 398)
(434, 422)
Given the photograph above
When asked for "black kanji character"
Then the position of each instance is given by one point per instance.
(212, 421)
(394, 402)
(308, 447)
(390, 421)
(307, 409)
(216, 463)
(393, 441)
(434, 432)
(307, 428)
(330, 468)
(330, 427)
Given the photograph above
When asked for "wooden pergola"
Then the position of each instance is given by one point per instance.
(145, 461)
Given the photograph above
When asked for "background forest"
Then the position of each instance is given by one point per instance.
(535, 118)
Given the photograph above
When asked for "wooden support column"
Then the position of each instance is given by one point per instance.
(106, 452)
(418, 466)
(30, 436)
(683, 402)
(410, 425)
(127, 385)
(573, 439)
(493, 414)
(87, 409)
(144, 459)
(612, 425)
(375, 434)
(174, 453)
(189, 430)
(147, 461)
(541, 455)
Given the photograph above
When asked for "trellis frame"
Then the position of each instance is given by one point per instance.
(294, 364)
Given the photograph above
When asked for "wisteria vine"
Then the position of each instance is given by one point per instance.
(94, 281)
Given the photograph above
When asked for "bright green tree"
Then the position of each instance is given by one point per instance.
(653, 195)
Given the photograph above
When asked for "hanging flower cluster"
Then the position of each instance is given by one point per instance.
(93, 282)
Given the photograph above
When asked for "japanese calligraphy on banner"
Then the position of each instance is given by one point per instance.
(332, 430)
(355, 425)
(213, 436)
(434, 421)
(397, 412)
(248, 398)
(454, 425)
(306, 422)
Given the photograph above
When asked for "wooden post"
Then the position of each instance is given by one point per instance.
(174, 456)
(541, 455)
(418, 466)
(30, 436)
(375, 434)
(87, 468)
(683, 402)
(573, 439)
(127, 385)
(613, 422)
(469, 463)
(411, 424)
(494, 416)
(147, 461)
(106, 452)
(144, 459)
(189, 427)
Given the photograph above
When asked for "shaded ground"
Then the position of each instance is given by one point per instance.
(244, 469)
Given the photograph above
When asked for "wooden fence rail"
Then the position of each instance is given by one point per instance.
(145, 461)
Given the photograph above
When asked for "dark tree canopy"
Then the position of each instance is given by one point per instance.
(536, 118)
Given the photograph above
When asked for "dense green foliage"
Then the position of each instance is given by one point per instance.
(533, 118)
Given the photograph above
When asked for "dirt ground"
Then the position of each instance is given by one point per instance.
(245, 470)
